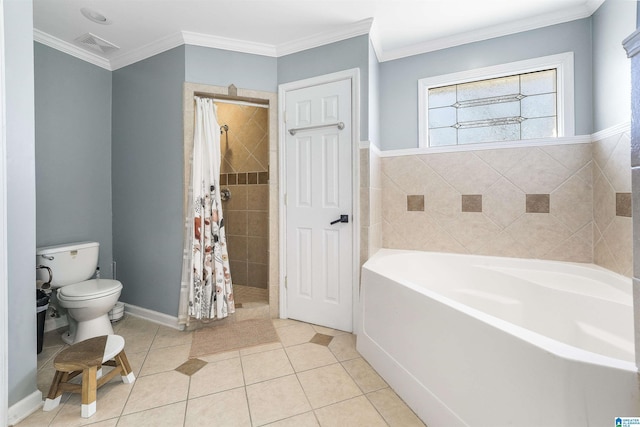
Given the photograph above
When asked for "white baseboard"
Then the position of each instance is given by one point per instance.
(153, 316)
(24, 408)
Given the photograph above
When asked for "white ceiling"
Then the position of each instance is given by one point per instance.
(398, 28)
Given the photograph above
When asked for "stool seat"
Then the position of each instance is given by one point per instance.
(87, 358)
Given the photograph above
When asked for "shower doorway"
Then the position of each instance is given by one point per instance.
(248, 184)
(244, 179)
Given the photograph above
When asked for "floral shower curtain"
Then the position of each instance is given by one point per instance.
(206, 288)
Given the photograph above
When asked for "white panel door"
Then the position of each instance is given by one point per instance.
(319, 255)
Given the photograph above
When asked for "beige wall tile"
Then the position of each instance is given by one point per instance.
(503, 203)
(464, 171)
(504, 159)
(538, 173)
(572, 203)
(623, 204)
(619, 239)
(604, 201)
(472, 203)
(618, 167)
(540, 233)
(603, 148)
(573, 156)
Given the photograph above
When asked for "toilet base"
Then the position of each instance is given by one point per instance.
(80, 331)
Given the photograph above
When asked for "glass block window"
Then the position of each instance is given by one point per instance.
(526, 100)
(500, 109)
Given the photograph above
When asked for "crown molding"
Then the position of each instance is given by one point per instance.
(146, 51)
(70, 49)
(632, 44)
(345, 32)
(205, 40)
(492, 32)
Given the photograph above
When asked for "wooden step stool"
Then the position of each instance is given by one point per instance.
(87, 358)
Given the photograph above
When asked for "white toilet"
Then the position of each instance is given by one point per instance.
(87, 301)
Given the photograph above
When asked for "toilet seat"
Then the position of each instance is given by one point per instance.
(89, 289)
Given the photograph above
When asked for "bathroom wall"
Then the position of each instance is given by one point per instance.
(370, 202)
(73, 152)
(20, 202)
(374, 98)
(331, 58)
(613, 228)
(147, 163)
(528, 202)
(612, 23)
(245, 172)
(399, 78)
(224, 67)
(147, 180)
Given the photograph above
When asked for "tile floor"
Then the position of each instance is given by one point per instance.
(313, 377)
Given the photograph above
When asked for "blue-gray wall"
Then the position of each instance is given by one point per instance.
(147, 180)
(374, 97)
(399, 78)
(338, 56)
(612, 22)
(223, 67)
(21, 199)
(73, 152)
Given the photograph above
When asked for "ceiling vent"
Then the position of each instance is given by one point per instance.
(95, 43)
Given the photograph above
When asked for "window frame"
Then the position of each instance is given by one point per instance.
(563, 63)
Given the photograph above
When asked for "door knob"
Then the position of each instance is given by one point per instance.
(343, 218)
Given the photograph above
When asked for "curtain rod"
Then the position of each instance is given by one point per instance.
(239, 100)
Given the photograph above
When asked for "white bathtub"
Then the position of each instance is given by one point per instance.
(480, 341)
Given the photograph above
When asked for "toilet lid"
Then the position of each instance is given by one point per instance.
(94, 288)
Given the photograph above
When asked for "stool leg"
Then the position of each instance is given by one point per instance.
(55, 394)
(89, 385)
(125, 369)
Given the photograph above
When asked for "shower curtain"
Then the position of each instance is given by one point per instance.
(206, 287)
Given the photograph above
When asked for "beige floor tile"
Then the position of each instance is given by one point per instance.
(136, 342)
(228, 408)
(48, 354)
(165, 359)
(169, 337)
(308, 356)
(295, 334)
(266, 366)
(41, 418)
(45, 376)
(344, 347)
(107, 423)
(327, 385)
(110, 400)
(157, 390)
(275, 400)
(169, 415)
(364, 375)
(393, 409)
(305, 420)
(260, 348)
(281, 323)
(216, 377)
(136, 360)
(353, 412)
(220, 356)
(327, 331)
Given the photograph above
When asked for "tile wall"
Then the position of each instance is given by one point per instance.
(370, 202)
(529, 202)
(612, 229)
(244, 171)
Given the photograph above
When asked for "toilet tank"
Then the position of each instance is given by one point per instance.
(69, 263)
